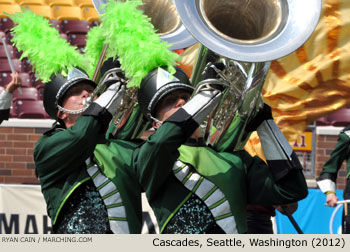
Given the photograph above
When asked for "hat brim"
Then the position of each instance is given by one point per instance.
(61, 92)
(166, 89)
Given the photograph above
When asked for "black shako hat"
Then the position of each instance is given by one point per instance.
(158, 83)
(58, 86)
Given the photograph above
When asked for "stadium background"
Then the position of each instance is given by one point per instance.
(308, 91)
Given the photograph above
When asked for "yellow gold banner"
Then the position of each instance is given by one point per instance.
(311, 82)
(314, 80)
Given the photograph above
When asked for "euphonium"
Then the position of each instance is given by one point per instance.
(244, 35)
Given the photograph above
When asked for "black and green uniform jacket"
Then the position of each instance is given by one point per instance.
(226, 182)
(327, 179)
(114, 160)
(60, 157)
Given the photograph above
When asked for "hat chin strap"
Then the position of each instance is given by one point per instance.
(86, 103)
(156, 120)
(72, 112)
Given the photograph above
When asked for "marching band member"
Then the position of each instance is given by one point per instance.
(80, 197)
(328, 177)
(191, 187)
(61, 154)
(84, 178)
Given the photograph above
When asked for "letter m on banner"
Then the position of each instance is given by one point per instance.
(10, 226)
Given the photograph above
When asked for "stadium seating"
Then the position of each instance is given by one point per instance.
(75, 26)
(27, 80)
(27, 67)
(5, 78)
(340, 118)
(10, 49)
(40, 86)
(59, 2)
(41, 10)
(94, 23)
(28, 93)
(64, 36)
(8, 2)
(5, 67)
(9, 36)
(8, 8)
(89, 14)
(56, 24)
(78, 40)
(30, 2)
(323, 121)
(33, 109)
(83, 3)
(5, 24)
(61, 12)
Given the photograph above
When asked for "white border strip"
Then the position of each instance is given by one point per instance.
(27, 123)
(328, 130)
(19, 185)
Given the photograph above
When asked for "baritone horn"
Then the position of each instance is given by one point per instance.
(166, 21)
(244, 36)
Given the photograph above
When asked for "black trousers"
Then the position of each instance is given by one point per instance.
(259, 222)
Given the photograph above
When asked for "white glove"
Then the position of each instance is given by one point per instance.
(111, 98)
(202, 103)
(279, 154)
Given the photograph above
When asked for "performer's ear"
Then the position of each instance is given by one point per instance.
(156, 125)
(61, 115)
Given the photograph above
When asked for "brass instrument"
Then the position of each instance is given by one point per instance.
(244, 35)
(166, 21)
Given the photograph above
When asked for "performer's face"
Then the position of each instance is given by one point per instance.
(74, 100)
(171, 103)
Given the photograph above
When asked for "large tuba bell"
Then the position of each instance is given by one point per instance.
(244, 35)
(168, 25)
(167, 22)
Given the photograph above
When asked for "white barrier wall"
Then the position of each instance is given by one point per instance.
(23, 211)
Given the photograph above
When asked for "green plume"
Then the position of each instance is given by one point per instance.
(48, 53)
(132, 38)
(94, 45)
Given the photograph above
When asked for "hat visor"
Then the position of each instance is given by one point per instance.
(163, 91)
(64, 88)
